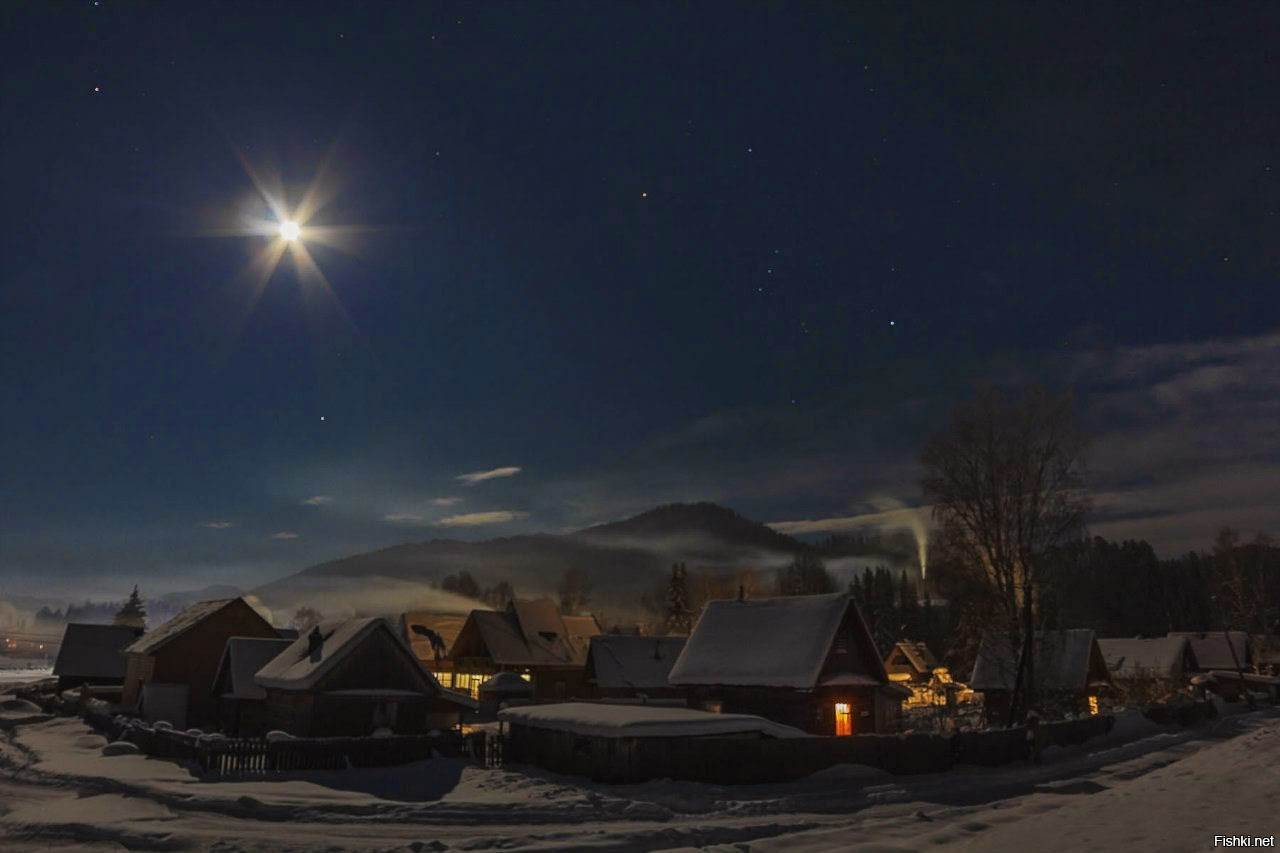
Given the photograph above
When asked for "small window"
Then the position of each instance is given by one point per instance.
(844, 720)
(842, 644)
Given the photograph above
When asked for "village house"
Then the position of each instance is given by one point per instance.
(354, 678)
(630, 666)
(1070, 672)
(1149, 669)
(912, 665)
(93, 655)
(803, 661)
(529, 638)
(242, 701)
(170, 671)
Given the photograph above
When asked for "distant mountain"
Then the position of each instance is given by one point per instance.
(620, 558)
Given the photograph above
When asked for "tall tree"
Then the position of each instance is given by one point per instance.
(132, 613)
(575, 590)
(461, 584)
(1006, 485)
(499, 595)
(805, 575)
(679, 615)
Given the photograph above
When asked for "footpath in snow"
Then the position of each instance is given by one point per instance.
(1142, 787)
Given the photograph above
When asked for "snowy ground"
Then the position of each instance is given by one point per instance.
(14, 672)
(1141, 788)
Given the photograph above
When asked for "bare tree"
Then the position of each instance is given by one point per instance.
(575, 590)
(1006, 484)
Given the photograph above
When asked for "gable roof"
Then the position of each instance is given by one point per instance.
(1211, 650)
(94, 651)
(152, 642)
(1160, 657)
(298, 667)
(624, 661)
(768, 642)
(447, 625)
(241, 660)
(1064, 660)
(530, 633)
(917, 655)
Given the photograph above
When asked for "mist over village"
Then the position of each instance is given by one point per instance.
(442, 426)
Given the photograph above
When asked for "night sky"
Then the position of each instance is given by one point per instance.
(603, 256)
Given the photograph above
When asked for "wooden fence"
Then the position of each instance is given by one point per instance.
(218, 755)
(741, 760)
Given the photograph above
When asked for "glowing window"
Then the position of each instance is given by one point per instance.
(1093, 704)
(844, 719)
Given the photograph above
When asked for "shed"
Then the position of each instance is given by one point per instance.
(93, 655)
(625, 743)
(806, 661)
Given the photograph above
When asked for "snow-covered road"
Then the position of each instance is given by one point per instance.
(1140, 788)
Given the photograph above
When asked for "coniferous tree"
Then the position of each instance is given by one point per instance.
(679, 615)
(132, 613)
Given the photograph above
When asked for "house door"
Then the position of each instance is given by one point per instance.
(844, 719)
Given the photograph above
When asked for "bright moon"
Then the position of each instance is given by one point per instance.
(290, 230)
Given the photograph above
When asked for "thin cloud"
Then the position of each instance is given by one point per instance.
(285, 534)
(218, 525)
(477, 519)
(447, 501)
(318, 500)
(404, 518)
(480, 476)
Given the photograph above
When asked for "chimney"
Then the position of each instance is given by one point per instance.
(315, 641)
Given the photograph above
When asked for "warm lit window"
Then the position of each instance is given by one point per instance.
(844, 719)
(1093, 704)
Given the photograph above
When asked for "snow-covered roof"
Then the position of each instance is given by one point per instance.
(94, 651)
(304, 663)
(627, 661)
(533, 633)
(917, 656)
(1211, 650)
(1064, 660)
(1160, 657)
(506, 682)
(177, 626)
(603, 720)
(241, 660)
(766, 642)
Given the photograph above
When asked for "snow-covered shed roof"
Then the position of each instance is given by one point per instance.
(309, 658)
(94, 651)
(1064, 660)
(532, 633)
(1211, 650)
(627, 661)
(1160, 657)
(241, 660)
(767, 642)
(177, 626)
(506, 683)
(604, 720)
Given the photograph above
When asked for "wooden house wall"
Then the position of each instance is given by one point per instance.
(555, 683)
(192, 659)
(810, 711)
